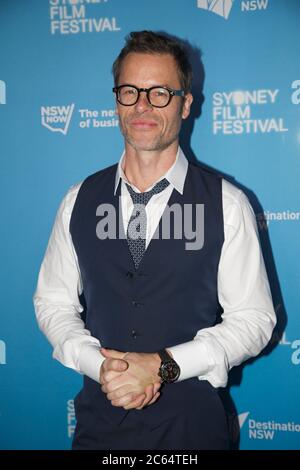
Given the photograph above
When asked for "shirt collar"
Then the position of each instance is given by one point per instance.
(175, 175)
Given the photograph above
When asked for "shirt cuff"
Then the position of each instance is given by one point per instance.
(192, 359)
(90, 361)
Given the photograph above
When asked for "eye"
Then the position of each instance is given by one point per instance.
(128, 91)
(160, 92)
(131, 91)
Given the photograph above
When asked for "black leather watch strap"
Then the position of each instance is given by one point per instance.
(164, 355)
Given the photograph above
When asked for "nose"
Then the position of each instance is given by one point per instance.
(142, 103)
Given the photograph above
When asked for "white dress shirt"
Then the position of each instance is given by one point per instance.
(243, 289)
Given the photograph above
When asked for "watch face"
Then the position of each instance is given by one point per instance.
(170, 371)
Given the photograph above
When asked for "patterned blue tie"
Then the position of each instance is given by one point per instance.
(137, 226)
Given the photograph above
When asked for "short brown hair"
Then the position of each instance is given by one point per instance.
(149, 42)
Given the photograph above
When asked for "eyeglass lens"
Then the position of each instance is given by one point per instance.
(157, 96)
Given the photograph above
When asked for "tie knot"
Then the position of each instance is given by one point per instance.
(144, 198)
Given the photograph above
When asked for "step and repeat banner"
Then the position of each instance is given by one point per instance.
(58, 125)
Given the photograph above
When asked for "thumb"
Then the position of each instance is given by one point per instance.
(117, 364)
(112, 353)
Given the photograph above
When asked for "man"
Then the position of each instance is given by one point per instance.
(154, 302)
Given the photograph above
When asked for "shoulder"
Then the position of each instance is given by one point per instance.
(231, 193)
(72, 193)
(199, 170)
(69, 199)
(236, 205)
(107, 172)
(206, 180)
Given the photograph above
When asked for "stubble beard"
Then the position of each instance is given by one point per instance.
(158, 143)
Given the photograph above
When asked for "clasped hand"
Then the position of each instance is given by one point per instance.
(130, 380)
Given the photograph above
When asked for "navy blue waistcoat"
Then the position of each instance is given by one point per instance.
(171, 296)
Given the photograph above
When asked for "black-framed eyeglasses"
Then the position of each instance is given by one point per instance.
(158, 96)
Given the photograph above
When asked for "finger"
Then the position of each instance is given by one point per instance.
(121, 380)
(135, 403)
(156, 396)
(149, 395)
(110, 376)
(128, 400)
(117, 365)
(122, 391)
(109, 387)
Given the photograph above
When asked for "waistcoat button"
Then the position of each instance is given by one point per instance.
(135, 303)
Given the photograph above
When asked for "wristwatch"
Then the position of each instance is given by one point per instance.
(169, 370)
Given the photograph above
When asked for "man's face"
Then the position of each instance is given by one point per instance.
(145, 127)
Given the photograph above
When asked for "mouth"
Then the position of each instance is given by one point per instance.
(143, 124)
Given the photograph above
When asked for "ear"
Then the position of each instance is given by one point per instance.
(188, 99)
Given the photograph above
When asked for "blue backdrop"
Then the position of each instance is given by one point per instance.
(57, 125)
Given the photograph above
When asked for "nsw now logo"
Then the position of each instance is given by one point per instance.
(57, 118)
(220, 7)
